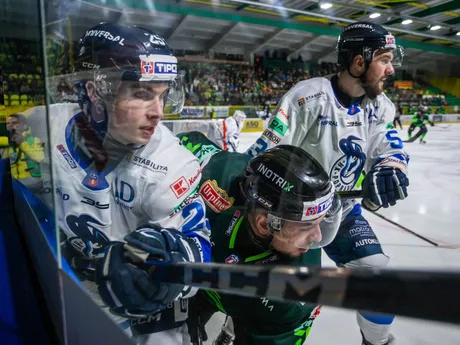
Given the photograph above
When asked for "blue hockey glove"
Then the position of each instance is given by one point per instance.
(126, 276)
(382, 186)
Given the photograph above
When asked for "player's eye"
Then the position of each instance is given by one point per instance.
(142, 94)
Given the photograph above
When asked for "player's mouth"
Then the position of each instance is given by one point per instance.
(149, 130)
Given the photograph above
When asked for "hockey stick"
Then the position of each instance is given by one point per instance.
(357, 194)
(431, 295)
(444, 127)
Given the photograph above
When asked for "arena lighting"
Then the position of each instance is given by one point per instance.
(458, 33)
(435, 27)
(325, 5)
(406, 22)
(374, 15)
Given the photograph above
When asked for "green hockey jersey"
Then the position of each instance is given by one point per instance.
(256, 320)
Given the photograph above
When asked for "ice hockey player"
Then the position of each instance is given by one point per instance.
(418, 120)
(121, 175)
(277, 208)
(397, 119)
(344, 121)
(226, 133)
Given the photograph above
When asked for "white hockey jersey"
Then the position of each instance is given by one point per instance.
(345, 140)
(155, 183)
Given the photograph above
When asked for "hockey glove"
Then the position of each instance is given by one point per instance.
(382, 186)
(126, 277)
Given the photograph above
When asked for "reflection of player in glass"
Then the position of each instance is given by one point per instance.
(344, 122)
(277, 208)
(121, 175)
(418, 120)
(26, 152)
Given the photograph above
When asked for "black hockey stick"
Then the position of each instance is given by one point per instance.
(431, 295)
(356, 194)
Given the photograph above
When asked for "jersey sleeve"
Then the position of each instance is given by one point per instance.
(290, 121)
(386, 147)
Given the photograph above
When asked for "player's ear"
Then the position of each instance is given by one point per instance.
(359, 64)
(261, 223)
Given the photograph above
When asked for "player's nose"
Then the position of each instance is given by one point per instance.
(390, 69)
(315, 234)
(155, 109)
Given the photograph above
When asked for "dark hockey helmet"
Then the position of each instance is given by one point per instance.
(366, 39)
(289, 183)
(110, 53)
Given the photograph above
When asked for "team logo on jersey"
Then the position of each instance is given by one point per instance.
(67, 156)
(232, 259)
(215, 197)
(235, 218)
(346, 170)
(93, 180)
(301, 101)
(87, 238)
(180, 187)
(354, 109)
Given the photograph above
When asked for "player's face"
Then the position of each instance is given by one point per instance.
(12, 123)
(296, 238)
(379, 70)
(137, 111)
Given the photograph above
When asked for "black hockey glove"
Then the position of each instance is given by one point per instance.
(382, 186)
(126, 276)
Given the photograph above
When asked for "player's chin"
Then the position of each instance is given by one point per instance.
(295, 253)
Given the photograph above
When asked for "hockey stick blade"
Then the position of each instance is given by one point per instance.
(430, 295)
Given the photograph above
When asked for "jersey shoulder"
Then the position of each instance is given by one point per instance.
(219, 183)
(167, 166)
(311, 92)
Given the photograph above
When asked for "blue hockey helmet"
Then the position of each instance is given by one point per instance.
(366, 39)
(110, 53)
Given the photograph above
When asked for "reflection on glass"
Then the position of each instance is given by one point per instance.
(128, 195)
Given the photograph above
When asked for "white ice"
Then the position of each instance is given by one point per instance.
(432, 209)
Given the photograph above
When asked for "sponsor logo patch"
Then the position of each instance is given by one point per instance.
(301, 101)
(215, 197)
(192, 180)
(235, 217)
(158, 67)
(354, 124)
(278, 126)
(147, 163)
(271, 136)
(67, 156)
(180, 187)
(283, 113)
